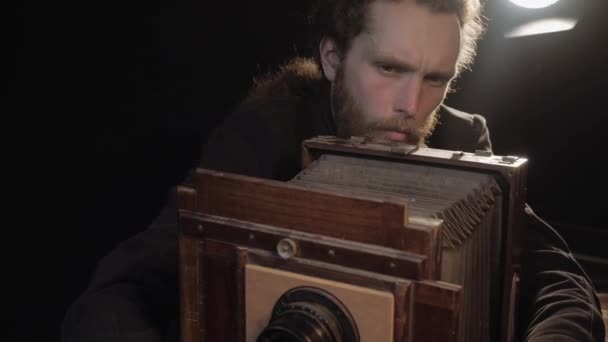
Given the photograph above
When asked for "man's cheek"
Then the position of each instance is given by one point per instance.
(377, 106)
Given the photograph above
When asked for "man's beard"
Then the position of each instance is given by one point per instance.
(351, 121)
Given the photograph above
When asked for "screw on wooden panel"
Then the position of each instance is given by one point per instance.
(199, 227)
(331, 253)
(251, 237)
(392, 265)
(286, 248)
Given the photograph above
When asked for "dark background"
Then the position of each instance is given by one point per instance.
(113, 99)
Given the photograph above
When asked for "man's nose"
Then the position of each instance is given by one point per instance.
(408, 96)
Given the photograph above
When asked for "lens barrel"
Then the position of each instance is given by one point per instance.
(307, 314)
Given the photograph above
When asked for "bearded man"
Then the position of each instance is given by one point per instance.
(382, 70)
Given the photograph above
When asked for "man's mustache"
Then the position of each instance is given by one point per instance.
(396, 124)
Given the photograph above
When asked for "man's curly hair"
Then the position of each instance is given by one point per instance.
(343, 20)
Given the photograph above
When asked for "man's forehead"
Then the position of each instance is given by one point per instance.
(411, 31)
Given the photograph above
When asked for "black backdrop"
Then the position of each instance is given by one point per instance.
(113, 100)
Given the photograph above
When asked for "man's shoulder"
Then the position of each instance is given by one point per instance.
(267, 128)
(459, 130)
(279, 98)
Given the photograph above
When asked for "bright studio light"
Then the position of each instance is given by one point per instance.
(534, 3)
(543, 26)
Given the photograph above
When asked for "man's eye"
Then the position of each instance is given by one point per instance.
(436, 81)
(389, 69)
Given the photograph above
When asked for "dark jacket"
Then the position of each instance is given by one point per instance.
(133, 294)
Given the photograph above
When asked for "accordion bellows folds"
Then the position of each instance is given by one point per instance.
(435, 233)
(467, 201)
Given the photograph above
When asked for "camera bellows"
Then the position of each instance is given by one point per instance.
(464, 200)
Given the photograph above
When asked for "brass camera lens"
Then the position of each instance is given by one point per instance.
(307, 314)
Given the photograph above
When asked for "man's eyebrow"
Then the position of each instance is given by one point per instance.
(405, 66)
(442, 75)
(394, 62)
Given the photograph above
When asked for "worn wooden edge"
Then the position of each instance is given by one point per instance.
(404, 304)
(433, 242)
(439, 303)
(299, 208)
(515, 228)
(377, 259)
(329, 144)
(242, 260)
(189, 286)
(185, 198)
(440, 294)
(208, 176)
(219, 291)
(325, 270)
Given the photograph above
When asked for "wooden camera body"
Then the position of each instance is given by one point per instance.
(322, 256)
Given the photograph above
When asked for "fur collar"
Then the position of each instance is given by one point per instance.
(297, 78)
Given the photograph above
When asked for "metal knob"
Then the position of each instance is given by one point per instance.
(287, 248)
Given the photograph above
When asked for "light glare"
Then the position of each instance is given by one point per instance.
(542, 26)
(534, 3)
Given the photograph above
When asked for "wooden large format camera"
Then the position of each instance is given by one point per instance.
(369, 242)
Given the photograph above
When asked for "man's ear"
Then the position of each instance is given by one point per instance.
(330, 58)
